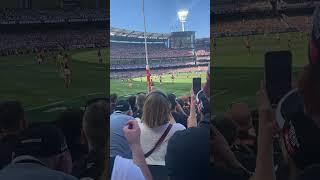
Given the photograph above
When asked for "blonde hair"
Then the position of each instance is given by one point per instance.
(156, 109)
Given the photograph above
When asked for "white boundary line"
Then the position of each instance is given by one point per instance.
(220, 93)
(59, 102)
(43, 106)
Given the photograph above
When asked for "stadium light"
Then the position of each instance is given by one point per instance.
(182, 15)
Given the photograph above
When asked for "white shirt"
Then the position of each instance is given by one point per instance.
(125, 169)
(149, 137)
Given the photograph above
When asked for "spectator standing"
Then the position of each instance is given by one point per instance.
(95, 128)
(12, 121)
(41, 153)
(118, 119)
(157, 126)
(141, 98)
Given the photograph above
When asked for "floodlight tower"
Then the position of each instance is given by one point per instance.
(182, 15)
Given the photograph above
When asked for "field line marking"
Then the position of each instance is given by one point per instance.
(43, 106)
(220, 93)
(59, 102)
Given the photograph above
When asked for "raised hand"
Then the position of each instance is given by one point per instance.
(132, 132)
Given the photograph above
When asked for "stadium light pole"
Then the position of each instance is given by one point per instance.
(182, 15)
(148, 74)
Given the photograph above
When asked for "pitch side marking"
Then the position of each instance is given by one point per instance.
(60, 102)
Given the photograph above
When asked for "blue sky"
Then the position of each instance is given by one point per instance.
(161, 15)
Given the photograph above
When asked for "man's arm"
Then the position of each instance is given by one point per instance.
(192, 119)
(132, 134)
(264, 165)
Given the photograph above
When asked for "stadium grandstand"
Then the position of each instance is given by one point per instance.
(242, 18)
(165, 50)
(28, 26)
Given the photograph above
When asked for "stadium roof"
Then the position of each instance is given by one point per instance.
(137, 34)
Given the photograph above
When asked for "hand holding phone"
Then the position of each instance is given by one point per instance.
(196, 85)
(278, 72)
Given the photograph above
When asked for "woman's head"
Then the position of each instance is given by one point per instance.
(156, 109)
(141, 97)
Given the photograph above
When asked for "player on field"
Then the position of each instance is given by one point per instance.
(160, 79)
(289, 43)
(99, 56)
(67, 75)
(278, 38)
(172, 78)
(248, 45)
(65, 60)
(60, 61)
(39, 58)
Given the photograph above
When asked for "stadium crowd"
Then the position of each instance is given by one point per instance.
(256, 17)
(130, 56)
(28, 42)
(136, 50)
(268, 25)
(72, 147)
(164, 64)
(49, 15)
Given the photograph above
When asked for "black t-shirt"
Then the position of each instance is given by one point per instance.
(7, 146)
(245, 156)
(137, 114)
(180, 118)
(91, 166)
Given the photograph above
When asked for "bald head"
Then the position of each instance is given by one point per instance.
(240, 114)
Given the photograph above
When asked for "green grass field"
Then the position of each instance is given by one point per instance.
(181, 86)
(237, 74)
(41, 88)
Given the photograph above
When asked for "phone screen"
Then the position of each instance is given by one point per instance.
(278, 72)
(196, 84)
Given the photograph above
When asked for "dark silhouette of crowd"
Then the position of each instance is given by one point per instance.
(75, 146)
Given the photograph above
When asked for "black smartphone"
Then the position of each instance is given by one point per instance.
(278, 74)
(196, 84)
